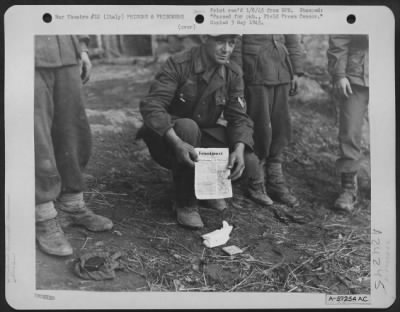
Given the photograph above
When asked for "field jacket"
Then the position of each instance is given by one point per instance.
(57, 51)
(348, 57)
(269, 59)
(188, 86)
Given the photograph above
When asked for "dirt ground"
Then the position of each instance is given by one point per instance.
(308, 249)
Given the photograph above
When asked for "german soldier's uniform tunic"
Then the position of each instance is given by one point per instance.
(205, 105)
(269, 63)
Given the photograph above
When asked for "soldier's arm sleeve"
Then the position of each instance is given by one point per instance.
(154, 107)
(240, 126)
(337, 55)
(81, 43)
(296, 53)
(237, 53)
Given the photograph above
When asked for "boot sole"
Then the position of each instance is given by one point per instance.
(193, 227)
(260, 202)
(348, 209)
(69, 221)
(92, 229)
(52, 253)
(276, 198)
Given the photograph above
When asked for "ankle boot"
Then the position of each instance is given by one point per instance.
(256, 191)
(51, 239)
(75, 212)
(277, 187)
(187, 213)
(348, 195)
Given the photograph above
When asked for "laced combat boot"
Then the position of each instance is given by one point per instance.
(348, 196)
(74, 211)
(51, 239)
(277, 187)
(256, 191)
(187, 213)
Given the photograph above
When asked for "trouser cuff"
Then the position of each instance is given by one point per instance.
(274, 159)
(71, 202)
(343, 166)
(45, 211)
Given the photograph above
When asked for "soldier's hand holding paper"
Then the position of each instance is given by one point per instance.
(236, 162)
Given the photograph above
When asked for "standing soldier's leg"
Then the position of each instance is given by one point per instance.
(253, 173)
(49, 234)
(72, 146)
(352, 113)
(281, 136)
(259, 99)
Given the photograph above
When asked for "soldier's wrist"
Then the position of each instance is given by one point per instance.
(172, 138)
(239, 147)
(338, 77)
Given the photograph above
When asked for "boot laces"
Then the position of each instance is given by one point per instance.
(190, 206)
(275, 175)
(259, 187)
(190, 209)
(349, 181)
(53, 226)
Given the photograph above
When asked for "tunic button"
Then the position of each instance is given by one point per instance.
(199, 116)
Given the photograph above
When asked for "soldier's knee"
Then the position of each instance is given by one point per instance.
(188, 130)
(349, 135)
(45, 167)
(186, 125)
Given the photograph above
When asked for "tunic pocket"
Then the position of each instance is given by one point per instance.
(355, 65)
(188, 92)
(220, 98)
(185, 99)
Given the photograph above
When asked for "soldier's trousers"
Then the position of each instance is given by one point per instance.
(352, 114)
(61, 132)
(188, 131)
(268, 107)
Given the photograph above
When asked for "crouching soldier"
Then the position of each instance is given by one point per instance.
(197, 100)
(348, 65)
